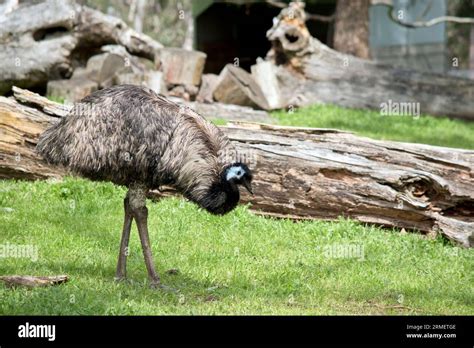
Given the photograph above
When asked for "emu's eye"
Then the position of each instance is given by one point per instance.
(239, 173)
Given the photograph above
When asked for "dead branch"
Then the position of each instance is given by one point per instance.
(33, 281)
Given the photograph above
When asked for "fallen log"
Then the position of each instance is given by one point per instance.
(228, 111)
(49, 46)
(20, 127)
(309, 72)
(306, 173)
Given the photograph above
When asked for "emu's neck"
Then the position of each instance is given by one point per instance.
(220, 198)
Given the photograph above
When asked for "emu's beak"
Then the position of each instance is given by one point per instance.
(247, 185)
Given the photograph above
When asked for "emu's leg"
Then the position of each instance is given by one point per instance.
(141, 218)
(140, 213)
(123, 253)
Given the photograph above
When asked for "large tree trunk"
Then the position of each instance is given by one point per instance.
(139, 15)
(36, 48)
(310, 72)
(351, 34)
(188, 43)
(304, 173)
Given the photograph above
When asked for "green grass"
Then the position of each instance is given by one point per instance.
(56, 99)
(236, 264)
(439, 131)
(219, 121)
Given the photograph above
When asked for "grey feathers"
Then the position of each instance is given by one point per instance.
(128, 134)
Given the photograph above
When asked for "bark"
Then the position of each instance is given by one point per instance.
(310, 72)
(20, 126)
(306, 173)
(49, 46)
(351, 35)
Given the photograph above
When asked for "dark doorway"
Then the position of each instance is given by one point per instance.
(229, 31)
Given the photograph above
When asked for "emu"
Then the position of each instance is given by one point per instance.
(131, 136)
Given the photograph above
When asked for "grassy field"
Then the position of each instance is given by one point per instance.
(431, 130)
(236, 264)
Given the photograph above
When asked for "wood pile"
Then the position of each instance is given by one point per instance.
(72, 50)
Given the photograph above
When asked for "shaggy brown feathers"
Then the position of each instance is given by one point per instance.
(128, 134)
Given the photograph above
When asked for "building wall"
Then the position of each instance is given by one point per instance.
(421, 48)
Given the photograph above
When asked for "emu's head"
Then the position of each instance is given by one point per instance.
(239, 174)
(223, 195)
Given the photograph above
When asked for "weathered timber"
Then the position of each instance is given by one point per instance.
(264, 73)
(236, 86)
(206, 90)
(228, 111)
(308, 173)
(103, 67)
(20, 126)
(309, 72)
(49, 45)
(181, 67)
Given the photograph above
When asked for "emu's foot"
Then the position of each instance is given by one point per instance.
(119, 279)
(158, 286)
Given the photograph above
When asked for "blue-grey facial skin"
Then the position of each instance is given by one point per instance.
(235, 173)
(240, 174)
